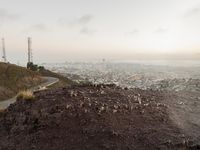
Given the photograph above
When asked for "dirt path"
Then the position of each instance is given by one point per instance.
(49, 81)
(184, 110)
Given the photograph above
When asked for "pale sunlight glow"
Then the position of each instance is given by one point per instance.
(77, 29)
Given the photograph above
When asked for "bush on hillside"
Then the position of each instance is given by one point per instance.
(33, 67)
(25, 95)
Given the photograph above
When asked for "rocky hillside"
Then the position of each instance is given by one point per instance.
(92, 117)
(14, 78)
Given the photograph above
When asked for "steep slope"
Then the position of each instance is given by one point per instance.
(14, 78)
(92, 117)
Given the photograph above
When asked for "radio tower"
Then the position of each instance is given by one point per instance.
(30, 56)
(4, 50)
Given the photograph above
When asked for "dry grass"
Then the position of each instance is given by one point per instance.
(26, 95)
(14, 78)
(2, 110)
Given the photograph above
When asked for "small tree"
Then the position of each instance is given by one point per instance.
(32, 67)
(41, 68)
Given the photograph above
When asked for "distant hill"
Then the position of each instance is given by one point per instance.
(14, 78)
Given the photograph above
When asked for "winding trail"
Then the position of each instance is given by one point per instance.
(49, 81)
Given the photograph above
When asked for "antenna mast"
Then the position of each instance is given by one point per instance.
(4, 50)
(30, 57)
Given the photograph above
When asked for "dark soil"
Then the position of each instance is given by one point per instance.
(91, 117)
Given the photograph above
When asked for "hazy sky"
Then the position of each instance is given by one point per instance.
(64, 30)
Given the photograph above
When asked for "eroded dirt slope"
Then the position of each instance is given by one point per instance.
(91, 117)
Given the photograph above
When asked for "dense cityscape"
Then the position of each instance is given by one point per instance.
(131, 75)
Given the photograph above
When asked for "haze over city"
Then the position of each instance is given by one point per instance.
(64, 30)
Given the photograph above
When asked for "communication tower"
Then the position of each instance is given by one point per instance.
(4, 50)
